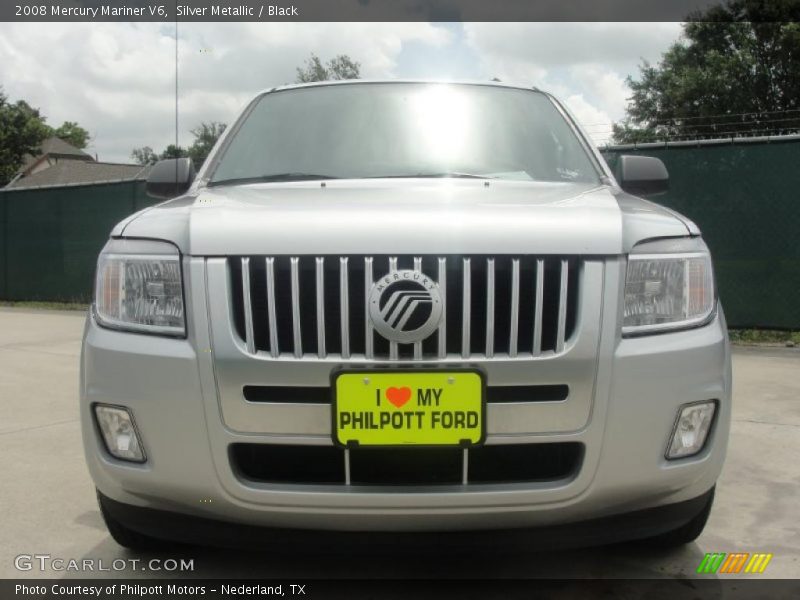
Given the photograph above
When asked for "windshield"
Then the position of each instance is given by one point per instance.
(358, 131)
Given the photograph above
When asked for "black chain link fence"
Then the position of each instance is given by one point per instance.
(51, 237)
(744, 194)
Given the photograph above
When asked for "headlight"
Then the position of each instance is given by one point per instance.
(669, 285)
(139, 287)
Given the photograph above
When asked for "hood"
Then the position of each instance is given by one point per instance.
(410, 216)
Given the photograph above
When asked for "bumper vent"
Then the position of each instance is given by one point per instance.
(317, 306)
(322, 395)
(330, 465)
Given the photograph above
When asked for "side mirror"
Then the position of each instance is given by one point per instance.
(642, 175)
(170, 178)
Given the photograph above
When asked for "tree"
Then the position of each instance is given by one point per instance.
(337, 68)
(205, 136)
(144, 156)
(22, 131)
(736, 71)
(173, 151)
(73, 134)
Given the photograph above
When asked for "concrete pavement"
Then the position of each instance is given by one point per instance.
(48, 504)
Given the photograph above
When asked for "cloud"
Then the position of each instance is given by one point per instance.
(585, 64)
(118, 79)
(596, 122)
(506, 47)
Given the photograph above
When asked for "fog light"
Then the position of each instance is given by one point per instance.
(119, 432)
(691, 429)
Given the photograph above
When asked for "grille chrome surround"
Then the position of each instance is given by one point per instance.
(493, 306)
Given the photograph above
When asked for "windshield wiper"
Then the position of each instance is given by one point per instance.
(271, 178)
(453, 174)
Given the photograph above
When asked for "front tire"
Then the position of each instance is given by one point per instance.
(126, 537)
(685, 534)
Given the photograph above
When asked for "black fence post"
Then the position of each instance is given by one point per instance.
(4, 266)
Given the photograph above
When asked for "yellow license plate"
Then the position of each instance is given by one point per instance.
(397, 408)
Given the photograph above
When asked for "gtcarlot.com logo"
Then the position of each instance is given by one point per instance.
(46, 562)
(734, 563)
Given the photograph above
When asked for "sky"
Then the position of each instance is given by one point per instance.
(118, 79)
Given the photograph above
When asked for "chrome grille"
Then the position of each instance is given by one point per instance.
(317, 306)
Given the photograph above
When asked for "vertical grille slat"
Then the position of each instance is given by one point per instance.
(394, 351)
(492, 307)
(489, 308)
(344, 306)
(466, 304)
(320, 274)
(369, 341)
(274, 349)
(513, 335)
(417, 345)
(250, 340)
(442, 342)
(562, 307)
(539, 302)
(296, 331)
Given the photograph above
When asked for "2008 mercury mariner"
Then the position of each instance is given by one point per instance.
(405, 306)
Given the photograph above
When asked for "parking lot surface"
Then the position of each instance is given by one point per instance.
(48, 503)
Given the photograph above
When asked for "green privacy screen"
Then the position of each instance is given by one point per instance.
(745, 197)
(51, 237)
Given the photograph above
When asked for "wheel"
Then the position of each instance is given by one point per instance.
(687, 533)
(128, 538)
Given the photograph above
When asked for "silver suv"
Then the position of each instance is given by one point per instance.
(405, 306)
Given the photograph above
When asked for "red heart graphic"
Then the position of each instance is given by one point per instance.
(398, 396)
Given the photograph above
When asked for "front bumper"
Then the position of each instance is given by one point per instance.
(637, 387)
(605, 530)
